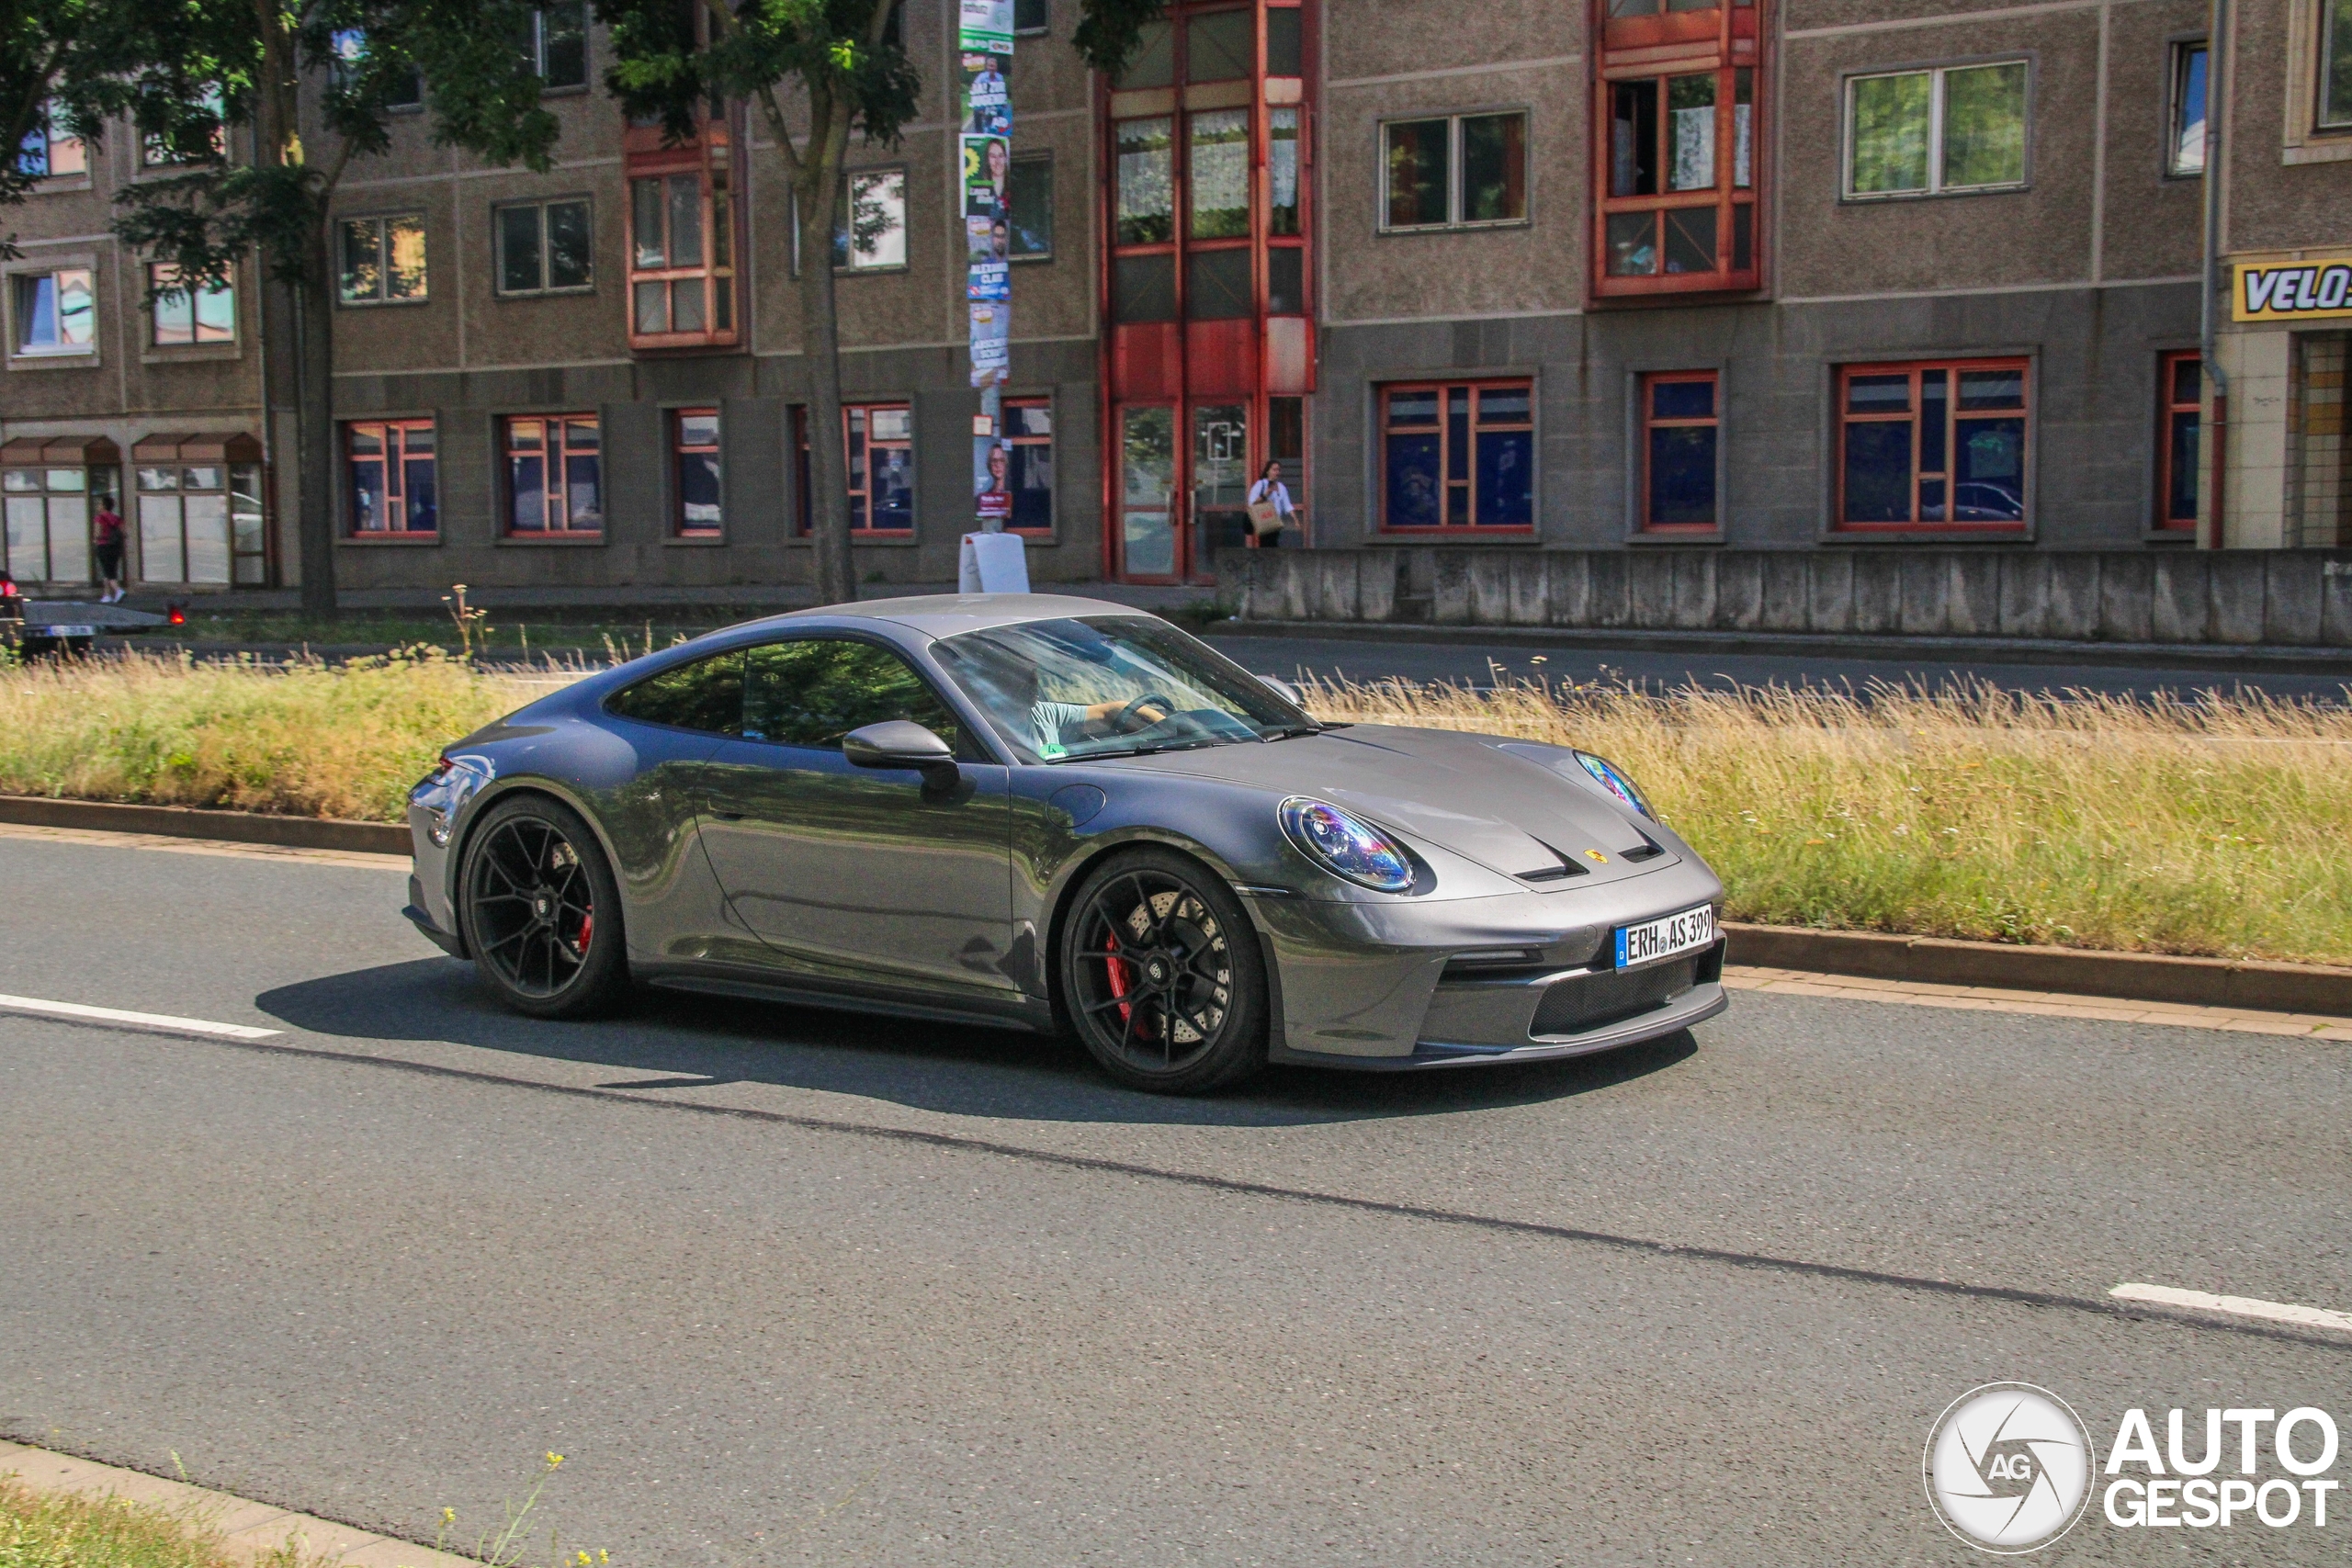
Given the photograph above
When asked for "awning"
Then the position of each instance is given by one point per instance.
(80, 451)
(209, 447)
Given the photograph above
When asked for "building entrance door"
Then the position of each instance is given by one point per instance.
(1219, 485)
(1150, 548)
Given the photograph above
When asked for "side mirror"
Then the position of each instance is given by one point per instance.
(901, 743)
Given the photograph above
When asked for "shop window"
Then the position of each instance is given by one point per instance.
(1458, 171)
(2184, 145)
(190, 517)
(2335, 65)
(2180, 391)
(391, 467)
(555, 41)
(682, 259)
(870, 220)
(1458, 455)
(879, 442)
(56, 312)
(1029, 440)
(48, 151)
(694, 473)
(1676, 119)
(49, 512)
(1949, 131)
(546, 247)
(555, 476)
(1681, 424)
(1936, 447)
(382, 259)
(190, 316)
(1031, 218)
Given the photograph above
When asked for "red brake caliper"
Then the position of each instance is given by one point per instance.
(1117, 970)
(587, 931)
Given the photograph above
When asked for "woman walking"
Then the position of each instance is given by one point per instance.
(105, 542)
(1270, 508)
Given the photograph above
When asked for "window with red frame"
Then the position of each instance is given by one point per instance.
(1458, 455)
(1029, 441)
(2180, 393)
(1937, 446)
(391, 470)
(555, 476)
(1678, 122)
(693, 468)
(879, 446)
(1681, 424)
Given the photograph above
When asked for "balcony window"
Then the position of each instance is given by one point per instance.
(682, 258)
(1458, 456)
(1933, 446)
(1675, 171)
(555, 476)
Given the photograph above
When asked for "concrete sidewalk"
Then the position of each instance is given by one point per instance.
(253, 1530)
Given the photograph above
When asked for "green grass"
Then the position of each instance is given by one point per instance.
(505, 635)
(68, 1531)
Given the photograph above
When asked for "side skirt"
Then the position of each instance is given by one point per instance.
(1027, 1013)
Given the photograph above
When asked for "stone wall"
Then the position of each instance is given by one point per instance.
(2283, 598)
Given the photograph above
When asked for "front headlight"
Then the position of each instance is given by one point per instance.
(1607, 774)
(1346, 846)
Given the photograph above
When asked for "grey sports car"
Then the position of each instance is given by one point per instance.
(1066, 814)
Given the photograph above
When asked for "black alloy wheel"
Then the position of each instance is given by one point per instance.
(1162, 975)
(542, 912)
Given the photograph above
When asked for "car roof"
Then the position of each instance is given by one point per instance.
(946, 615)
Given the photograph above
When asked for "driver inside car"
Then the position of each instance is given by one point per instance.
(1059, 724)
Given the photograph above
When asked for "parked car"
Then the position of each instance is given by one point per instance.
(1065, 815)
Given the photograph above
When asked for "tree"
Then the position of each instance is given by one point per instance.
(819, 72)
(215, 88)
(48, 50)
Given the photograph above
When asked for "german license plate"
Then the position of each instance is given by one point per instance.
(62, 631)
(1667, 937)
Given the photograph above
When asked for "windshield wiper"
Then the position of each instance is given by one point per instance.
(1151, 751)
(1293, 730)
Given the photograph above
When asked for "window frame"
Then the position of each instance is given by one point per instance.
(196, 339)
(1456, 150)
(382, 297)
(1008, 438)
(2317, 76)
(540, 49)
(2027, 364)
(717, 278)
(154, 155)
(1644, 421)
(1034, 29)
(1936, 72)
(673, 421)
(2162, 525)
(19, 349)
(2177, 52)
(555, 455)
(541, 205)
(351, 533)
(804, 522)
(1039, 159)
(845, 239)
(1443, 386)
(50, 141)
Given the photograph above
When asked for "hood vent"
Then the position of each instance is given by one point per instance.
(1650, 849)
(1562, 872)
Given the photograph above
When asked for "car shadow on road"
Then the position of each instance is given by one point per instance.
(679, 1040)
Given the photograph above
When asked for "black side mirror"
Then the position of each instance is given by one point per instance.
(901, 743)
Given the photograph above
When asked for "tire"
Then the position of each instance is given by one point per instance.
(1162, 977)
(541, 913)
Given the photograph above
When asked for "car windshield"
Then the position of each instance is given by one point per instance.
(1111, 685)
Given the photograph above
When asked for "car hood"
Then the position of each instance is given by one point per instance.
(1504, 809)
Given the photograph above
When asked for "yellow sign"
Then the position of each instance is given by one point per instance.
(2316, 289)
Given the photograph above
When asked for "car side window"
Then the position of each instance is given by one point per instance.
(706, 694)
(812, 691)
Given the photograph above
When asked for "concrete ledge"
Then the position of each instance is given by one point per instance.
(2143, 976)
(190, 822)
(250, 1530)
(2261, 658)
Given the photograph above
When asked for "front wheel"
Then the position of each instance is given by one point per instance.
(1162, 975)
(541, 911)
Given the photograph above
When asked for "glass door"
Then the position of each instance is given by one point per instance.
(1149, 523)
(1220, 484)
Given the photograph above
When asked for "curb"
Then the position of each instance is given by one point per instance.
(2251, 658)
(2141, 976)
(192, 822)
(252, 1531)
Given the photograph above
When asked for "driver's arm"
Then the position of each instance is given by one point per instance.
(1154, 712)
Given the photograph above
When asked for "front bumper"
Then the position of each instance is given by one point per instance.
(1697, 1005)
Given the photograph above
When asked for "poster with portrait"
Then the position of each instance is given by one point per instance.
(991, 343)
(989, 258)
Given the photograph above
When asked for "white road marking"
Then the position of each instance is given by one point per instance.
(2239, 1306)
(134, 1020)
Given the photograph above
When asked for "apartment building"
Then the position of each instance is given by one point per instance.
(1795, 274)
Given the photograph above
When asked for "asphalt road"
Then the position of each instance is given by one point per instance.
(789, 1288)
(1476, 663)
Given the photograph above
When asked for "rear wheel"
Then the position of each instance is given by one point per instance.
(541, 913)
(1162, 975)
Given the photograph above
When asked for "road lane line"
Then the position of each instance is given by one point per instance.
(160, 1021)
(2237, 1306)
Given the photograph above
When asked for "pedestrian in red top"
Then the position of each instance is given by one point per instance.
(106, 540)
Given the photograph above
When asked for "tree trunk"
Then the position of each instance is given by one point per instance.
(315, 423)
(820, 342)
